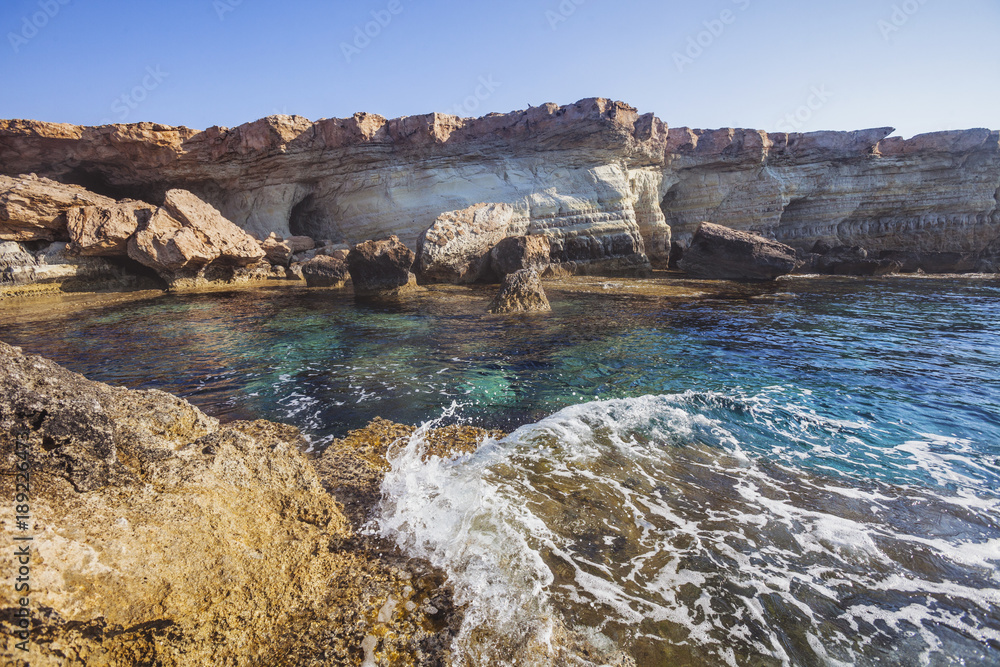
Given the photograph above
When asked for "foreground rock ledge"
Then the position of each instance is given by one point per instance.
(162, 537)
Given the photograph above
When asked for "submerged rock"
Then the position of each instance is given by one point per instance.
(515, 253)
(324, 271)
(161, 537)
(720, 253)
(381, 268)
(456, 248)
(520, 292)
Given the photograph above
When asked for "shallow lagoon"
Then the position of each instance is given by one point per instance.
(798, 473)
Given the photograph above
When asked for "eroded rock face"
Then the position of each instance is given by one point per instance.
(456, 248)
(34, 209)
(515, 253)
(600, 180)
(381, 268)
(520, 292)
(720, 253)
(104, 231)
(325, 271)
(55, 268)
(162, 537)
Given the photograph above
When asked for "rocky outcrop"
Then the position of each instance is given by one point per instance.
(456, 248)
(515, 253)
(55, 269)
(324, 271)
(720, 253)
(520, 292)
(605, 184)
(34, 209)
(184, 236)
(160, 536)
(849, 261)
(381, 268)
(104, 231)
(281, 251)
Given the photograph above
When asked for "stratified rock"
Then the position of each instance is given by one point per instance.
(104, 231)
(933, 262)
(161, 537)
(520, 292)
(55, 269)
(720, 253)
(34, 209)
(325, 271)
(381, 267)
(515, 253)
(456, 248)
(603, 182)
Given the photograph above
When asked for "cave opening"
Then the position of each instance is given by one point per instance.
(96, 180)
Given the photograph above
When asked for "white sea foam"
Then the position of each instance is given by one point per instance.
(665, 517)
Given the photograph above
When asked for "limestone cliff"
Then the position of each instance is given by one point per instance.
(597, 178)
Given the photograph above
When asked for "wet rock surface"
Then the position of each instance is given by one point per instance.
(324, 271)
(381, 268)
(161, 536)
(520, 292)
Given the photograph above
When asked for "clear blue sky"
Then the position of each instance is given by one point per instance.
(801, 65)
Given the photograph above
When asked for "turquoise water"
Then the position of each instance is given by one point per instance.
(803, 473)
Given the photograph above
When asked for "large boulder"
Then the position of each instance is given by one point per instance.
(324, 271)
(520, 292)
(280, 251)
(456, 247)
(34, 209)
(720, 253)
(381, 267)
(186, 235)
(161, 537)
(104, 231)
(515, 253)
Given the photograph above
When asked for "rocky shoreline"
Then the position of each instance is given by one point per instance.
(160, 536)
(593, 188)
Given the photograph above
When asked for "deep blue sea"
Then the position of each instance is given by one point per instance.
(803, 473)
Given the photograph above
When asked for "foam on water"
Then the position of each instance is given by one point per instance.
(701, 528)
